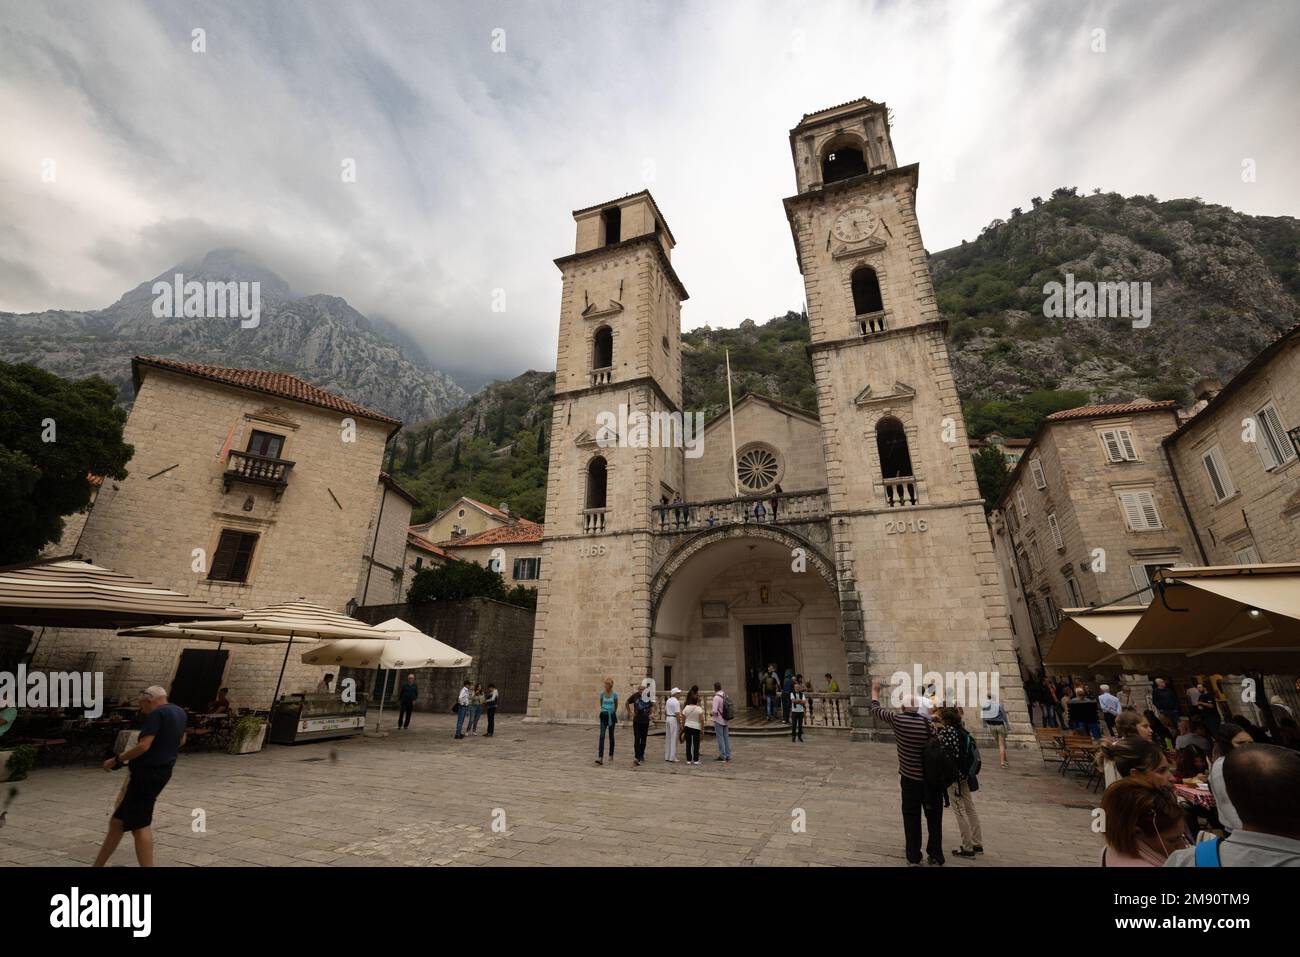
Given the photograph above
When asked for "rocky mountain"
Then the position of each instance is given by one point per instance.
(1223, 284)
(318, 337)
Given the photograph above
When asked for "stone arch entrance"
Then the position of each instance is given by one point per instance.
(727, 601)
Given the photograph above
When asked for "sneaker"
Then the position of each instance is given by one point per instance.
(961, 853)
(935, 862)
(599, 761)
(719, 758)
(979, 848)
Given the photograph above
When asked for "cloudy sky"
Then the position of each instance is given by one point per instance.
(470, 158)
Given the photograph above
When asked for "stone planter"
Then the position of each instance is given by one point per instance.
(249, 743)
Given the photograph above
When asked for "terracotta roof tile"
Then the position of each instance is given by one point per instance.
(521, 533)
(419, 541)
(1120, 408)
(271, 383)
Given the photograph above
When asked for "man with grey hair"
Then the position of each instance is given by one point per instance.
(911, 732)
(1110, 708)
(150, 762)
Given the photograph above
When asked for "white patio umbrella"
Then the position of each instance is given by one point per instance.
(290, 620)
(408, 648)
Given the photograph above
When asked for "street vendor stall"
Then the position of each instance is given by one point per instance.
(316, 717)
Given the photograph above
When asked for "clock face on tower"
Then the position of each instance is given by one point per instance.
(855, 224)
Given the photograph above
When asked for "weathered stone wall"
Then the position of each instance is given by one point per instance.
(384, 575)
(1265, 509)
(310, 541)
(796, 439)
(499, 638)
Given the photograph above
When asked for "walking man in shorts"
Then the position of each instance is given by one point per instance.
(150, 763)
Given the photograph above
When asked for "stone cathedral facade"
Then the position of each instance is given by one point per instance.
(857, 544)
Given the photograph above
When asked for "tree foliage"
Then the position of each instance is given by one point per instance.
(53, 432)
(992, 475)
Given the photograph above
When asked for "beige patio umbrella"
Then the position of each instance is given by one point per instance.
(67, 592)
(1091, 637)
(410, 648)
(292, 620)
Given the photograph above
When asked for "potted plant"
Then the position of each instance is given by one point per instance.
(15, 764)
(248, 736)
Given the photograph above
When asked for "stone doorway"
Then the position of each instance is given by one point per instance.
(766, 644)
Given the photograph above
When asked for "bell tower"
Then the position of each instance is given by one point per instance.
(919, 583)
(619, 357)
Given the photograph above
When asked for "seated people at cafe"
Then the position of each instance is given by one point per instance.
(1226, 737)
(1133, 757)
(323, 686)
(1143, 824)
(1084, 713)
(222, 704)
(1257, 734)
(1263, 781)
(1161, 734)
(1130, 724)
(1192, 734)
(1192, 763)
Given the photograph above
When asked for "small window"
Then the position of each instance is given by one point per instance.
(266, 444)
(1036, 469)
(527, 569)
(1139, 508)
(1055, 528)
(597, 473)
(1076, 595)
(1220, 480)
(1247, 556)
(1271, 440)
(1118, 444)
(602, 348)
(1143, 576)
(612, 219)
(1020, 506)
(843, 163)
(1036, 556)
(866, 291)
(461, 513)
(234, 556)
(891, 444)
(1051, 615)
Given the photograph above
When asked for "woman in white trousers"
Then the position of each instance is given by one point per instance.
(672, 716)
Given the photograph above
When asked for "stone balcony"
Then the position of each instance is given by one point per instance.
(257, 470)
(779, 509)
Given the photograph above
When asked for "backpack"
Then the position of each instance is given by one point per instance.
(938, 767)
(1207, 853)
(971, 753)
(728, 709)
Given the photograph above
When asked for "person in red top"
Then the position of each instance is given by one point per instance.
(911, 732)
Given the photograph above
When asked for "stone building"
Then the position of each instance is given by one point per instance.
(513, 550)
(385, 573)
(464, 517)
(1091, 511)
(1235, 461)
(849, 540)
(246, 488)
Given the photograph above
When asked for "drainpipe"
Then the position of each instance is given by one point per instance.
(1182, 500)
(370, 566)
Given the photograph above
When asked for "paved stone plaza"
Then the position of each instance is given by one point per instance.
(419, 797)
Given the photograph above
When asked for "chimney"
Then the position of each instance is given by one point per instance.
(1206, 389)
(505, 507)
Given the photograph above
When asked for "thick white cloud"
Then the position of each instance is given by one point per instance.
(470, 160)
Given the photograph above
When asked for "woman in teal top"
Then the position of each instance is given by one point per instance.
(608, 718)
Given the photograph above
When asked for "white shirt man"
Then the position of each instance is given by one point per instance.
(672, 712)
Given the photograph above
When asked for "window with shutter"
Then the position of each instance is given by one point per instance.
(1036, 468)
(1110, 442)
(1139, 509)
(1125, 438)
(1049, 612)
(1055, 528)
(1142, 582)
(1247, 556)
(1020, 505)
(234, 556)
(1036, 555)
(1271, 438)
(1076, 595)
(1220, 480)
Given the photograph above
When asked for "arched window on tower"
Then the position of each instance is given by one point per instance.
(842, 162)
(602, 356)
(895, 462)
(866, 300)
(594, 504)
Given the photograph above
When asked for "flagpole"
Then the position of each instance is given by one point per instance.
(731, 417)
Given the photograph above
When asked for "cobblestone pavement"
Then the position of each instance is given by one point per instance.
(532, 795)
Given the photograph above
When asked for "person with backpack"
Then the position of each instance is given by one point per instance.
(771, 686)
(641, 707)
(965, 754)
(921, 792)
(723, 712)
(997, 724)
(798, 702)
(787, 687)
(1263, 781)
